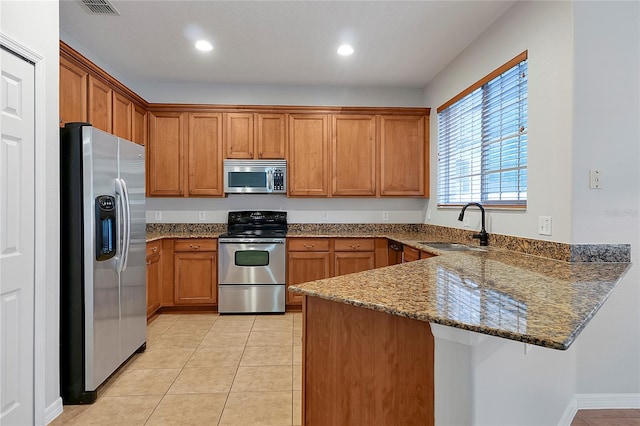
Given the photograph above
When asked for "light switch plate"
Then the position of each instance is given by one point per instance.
(595, 180)
(544, 225)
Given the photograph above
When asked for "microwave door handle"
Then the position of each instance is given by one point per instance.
(270, 180)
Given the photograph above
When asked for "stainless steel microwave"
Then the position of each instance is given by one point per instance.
(255, 176)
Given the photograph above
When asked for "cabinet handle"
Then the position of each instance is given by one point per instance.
(308, 246)
(194, 246)
(354, 246)
(148, 262)
(154, 249)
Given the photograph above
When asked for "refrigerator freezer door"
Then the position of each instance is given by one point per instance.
(133, 302)
(101, 292)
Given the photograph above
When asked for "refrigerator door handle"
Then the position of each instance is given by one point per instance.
(126, 244)
(122, 224)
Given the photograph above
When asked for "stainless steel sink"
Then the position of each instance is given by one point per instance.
(450, 246)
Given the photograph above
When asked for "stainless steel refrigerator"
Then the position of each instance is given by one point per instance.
(102, 258)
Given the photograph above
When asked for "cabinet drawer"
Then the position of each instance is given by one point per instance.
(353, 244)
(308, 244)
(196, 244)
(154, 247)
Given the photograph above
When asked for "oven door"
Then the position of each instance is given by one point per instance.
(256, 261)
(251, 275)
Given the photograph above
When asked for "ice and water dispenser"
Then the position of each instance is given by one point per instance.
(105, 227)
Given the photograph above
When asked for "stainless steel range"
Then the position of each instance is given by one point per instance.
(252, 259)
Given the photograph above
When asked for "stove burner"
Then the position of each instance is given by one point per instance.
(256, 224)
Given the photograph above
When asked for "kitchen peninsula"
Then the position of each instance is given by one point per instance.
(416, 341)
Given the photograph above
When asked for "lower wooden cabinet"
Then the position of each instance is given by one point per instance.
(353, 255)
(154, 276)
(308, 259)
(195, 263)
(411, 254)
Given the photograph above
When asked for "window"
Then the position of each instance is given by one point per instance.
(482, 140)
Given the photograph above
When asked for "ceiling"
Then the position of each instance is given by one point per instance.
(399, 44)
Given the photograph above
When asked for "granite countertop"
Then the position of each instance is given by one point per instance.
(499, 292)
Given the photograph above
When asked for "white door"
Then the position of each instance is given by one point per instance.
(17, 228)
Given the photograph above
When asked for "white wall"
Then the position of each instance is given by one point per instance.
(584, 112)
(299, 210)
(35, 25)
(234, 94)
(545, 30)
(606, 135)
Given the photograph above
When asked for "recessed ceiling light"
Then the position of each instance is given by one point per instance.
(203, 45)
(345, 50)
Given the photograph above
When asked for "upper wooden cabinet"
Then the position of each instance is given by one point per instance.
(205, 154)
(271, 136)
(404, 152)
(100, 104)
(165, 154)
(122, 116)
(254, 136)
(73, 92)
(239, 135)
(184, 154)
(139, 125)
(353, 155)
(88, 94)
(308, 160)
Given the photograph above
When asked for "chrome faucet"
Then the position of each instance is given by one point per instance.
(482, 236)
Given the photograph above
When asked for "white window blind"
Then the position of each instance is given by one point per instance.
(482, 141)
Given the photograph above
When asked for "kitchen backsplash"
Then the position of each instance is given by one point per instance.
(548, 249)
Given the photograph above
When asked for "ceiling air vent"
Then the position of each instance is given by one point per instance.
(99, 7)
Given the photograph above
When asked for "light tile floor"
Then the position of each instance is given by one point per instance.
(205, 369)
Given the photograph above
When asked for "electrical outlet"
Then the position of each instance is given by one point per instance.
(466, 222)
(157, 215)
(595, 181)
(385, 215)
(200, 215)
(544, 225)
(428, 214)
(325, 216)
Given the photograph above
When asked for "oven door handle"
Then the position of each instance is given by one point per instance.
(251, 241)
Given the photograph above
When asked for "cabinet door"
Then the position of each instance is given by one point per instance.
(139, 125)
(308, 167)
(165, 154)
(100, 107)
(73, 93)
(271, 136)
(354, 155)
(239, 135)
(403, 156)
(122, 107)
(195, 278)
(154, 278)
(205, 154)
(351, 262)
(410, 254)
(303, 267)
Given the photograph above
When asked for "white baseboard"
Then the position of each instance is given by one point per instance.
(569, 413)
(608, 400)
(598, 401)
(53, 411)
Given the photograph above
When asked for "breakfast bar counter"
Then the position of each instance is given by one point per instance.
(435, 341)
